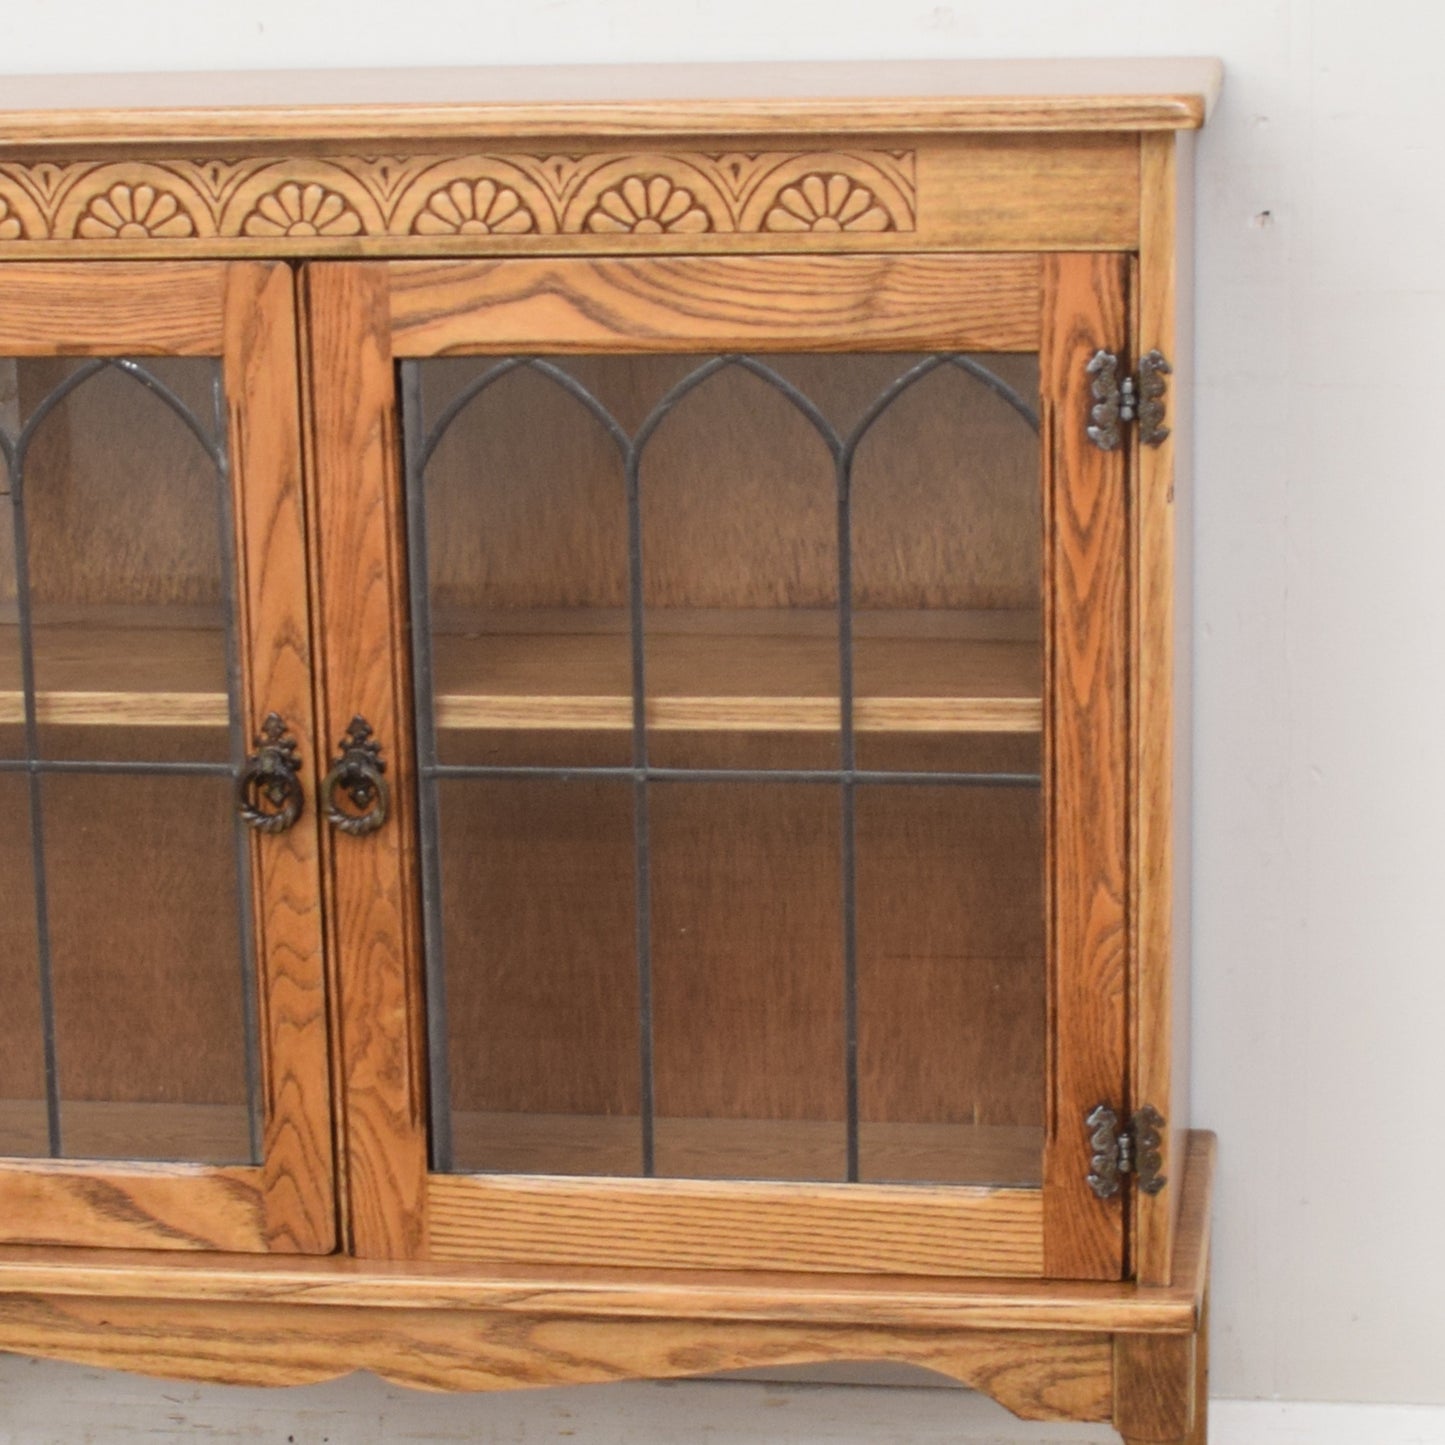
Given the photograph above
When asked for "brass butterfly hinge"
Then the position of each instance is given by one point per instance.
(1133, 1148)
(1118, 400)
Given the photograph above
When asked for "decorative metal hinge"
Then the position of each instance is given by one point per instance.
(1118, 400)
(1133, 1149)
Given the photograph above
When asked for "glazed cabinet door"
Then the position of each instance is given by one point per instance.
(744, 638)
(164, 1077)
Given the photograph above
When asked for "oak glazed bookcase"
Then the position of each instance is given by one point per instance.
(591, 685)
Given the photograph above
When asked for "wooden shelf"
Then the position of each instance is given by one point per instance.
(763, 671)
(90, 674)
(735, 671)
(747, 1148)
(514, 1143)
(204, 1133)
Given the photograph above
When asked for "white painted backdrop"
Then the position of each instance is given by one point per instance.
(1320, 935)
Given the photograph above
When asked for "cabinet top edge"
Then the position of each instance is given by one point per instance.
(500, 102)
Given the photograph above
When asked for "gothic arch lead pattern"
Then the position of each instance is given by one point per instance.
(421, 443)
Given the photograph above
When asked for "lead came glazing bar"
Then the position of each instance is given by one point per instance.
(434, 943)
(525, 773)
(848, 803)
(117, 767)
(647, 1098)
(54, 1140)
(245, 921)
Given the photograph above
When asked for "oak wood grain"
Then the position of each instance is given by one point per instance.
(750, 1294)
(723, 303)
(116, 309)
(1039, 1377)
(664, 1223)
(1161, 1381)
(1161, 721)
(1003, 192)
(1041, 1348)
(841, 193)
(358, 590)
(273, 625)
(1086, 737)
(162, 914)
(1156, 1385)
(570, 101)
(131, 1206)
(883, 1302)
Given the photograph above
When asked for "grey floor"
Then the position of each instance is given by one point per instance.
(43, 1403)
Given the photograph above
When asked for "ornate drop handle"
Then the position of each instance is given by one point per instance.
(268, 791)
(357, 773)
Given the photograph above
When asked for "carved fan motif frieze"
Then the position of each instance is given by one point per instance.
(474, 208)
(648, 205)
(296, 210)
(134, 212)
(827, 203)
(311, 200)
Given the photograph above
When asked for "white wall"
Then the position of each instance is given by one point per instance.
(1321, 671)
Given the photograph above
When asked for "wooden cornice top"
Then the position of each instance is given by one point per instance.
(64, 113)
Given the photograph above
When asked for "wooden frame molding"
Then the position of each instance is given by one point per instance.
(1046, 1351)
(606, 193)
(1085, 764)
(244, 314)
(725, 303)
(561, 102)
(847, 193)
(708, 1224)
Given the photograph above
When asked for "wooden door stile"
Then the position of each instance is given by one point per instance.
(1086, 766)
(359, 594)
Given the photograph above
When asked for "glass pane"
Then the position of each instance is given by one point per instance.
(124, 510)
(23, 1124)
(149, 1031)
(525, 522)
(947, 534)
(747, 981)
(574, 517)
(12, 703)
(951, 986)
(541, 979)
(117, 700)
(739, 523)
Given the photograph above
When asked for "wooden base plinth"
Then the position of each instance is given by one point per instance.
(1136, 1356)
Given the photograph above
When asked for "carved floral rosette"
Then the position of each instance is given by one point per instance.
(341, 203)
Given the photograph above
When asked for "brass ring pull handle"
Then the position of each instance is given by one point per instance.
(268, 791)
(357, 775)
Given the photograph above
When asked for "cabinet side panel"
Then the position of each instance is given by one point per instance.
(359, 590)
(1160, 884)
(1086, 759)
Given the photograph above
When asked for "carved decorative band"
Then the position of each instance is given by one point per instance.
(306, 199)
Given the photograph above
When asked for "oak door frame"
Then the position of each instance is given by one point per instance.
(363, 317)
(244, 313)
